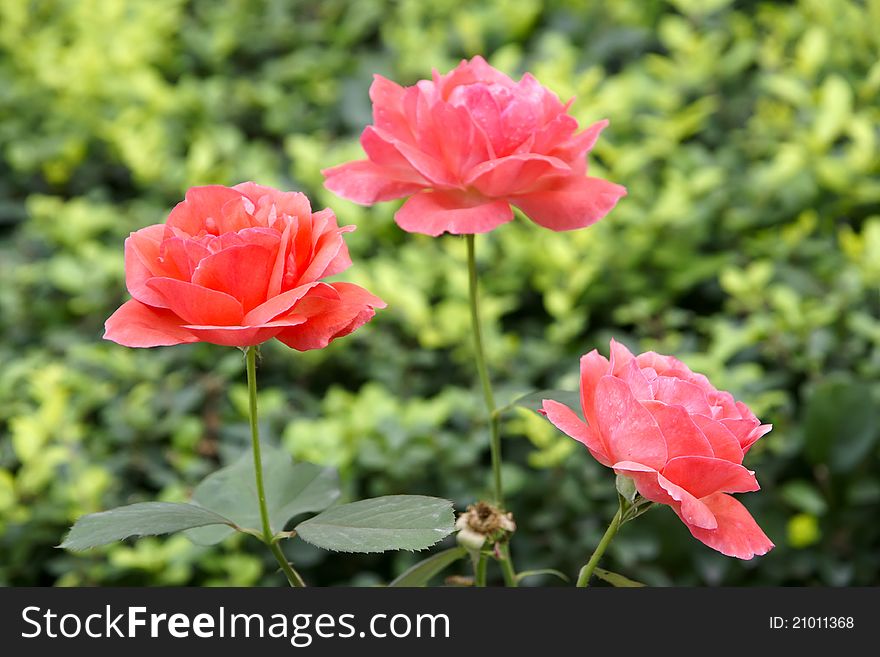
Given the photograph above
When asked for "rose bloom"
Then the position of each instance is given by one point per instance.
(682, 441)
(237, 266)
(466, 146)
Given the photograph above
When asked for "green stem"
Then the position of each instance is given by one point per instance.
(494, 423)
(480, 571)
(292, 576)
(507, 568)
(483, 371)
(587, 570)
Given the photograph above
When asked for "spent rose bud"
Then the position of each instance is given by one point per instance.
(238, 266)
(681, 441)
(467, 145)
(482, 522)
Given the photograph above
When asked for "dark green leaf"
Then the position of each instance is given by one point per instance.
(542, 571)
(534, 400)
(291, 490)
(841, 423)
(422, 572)
(614, 579)
(626, 487)
(393, 522)
(639, 506)
(803, 496)
(144, 519)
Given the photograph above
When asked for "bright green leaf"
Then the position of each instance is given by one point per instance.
(803, 530)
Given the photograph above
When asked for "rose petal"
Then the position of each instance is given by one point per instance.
(484, 111)
(241, 272)
(620, 357)
(461, 145)
(387, 98)
(581, 144)
(676, 392)
(282, 303)
(179, 257)
(737, 534)
(724, 444)
(414, 164)
(380, 148)
(276, 278)
(330, 254)
(236, 215)
(633, 377)
(142, 263)
(202, 209)
(683, 437)
(723, 404)
(513, 174)
(530, 108)
(329, 319)
(626, 427)
(244, 336)
(136, 324)
(570, 203)
(756, 434)
(196, 304)
(593, 367)
(555, 132)
(741, 429)
(567, 421)
(433, 213)
(294, 204)
(692, 510)
(645, 479)
(704, 475)
(657, 362)
(470, 71)
(367, 183)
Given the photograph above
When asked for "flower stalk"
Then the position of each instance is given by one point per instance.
(503, 552)
(483, 372)
(268, 538)
(480, 570)
(587, 571)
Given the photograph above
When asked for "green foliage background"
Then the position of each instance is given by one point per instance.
(749, 246)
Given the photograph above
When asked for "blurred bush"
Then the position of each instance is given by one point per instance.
(749, 246)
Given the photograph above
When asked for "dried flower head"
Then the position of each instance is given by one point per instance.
(483, 522)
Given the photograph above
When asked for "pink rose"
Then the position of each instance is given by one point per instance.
(466, 146)
(238, 266)
(681, 440)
